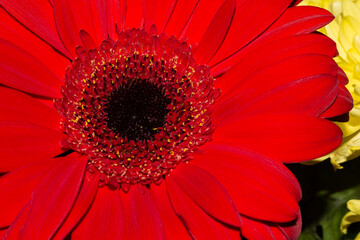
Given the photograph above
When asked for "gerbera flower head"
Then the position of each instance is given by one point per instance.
(161, 119)
(344, 30)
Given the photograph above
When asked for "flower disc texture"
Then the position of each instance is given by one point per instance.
(149, 119)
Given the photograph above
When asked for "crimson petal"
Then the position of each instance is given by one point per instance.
(23, 143)
(22, 71)
(13, 232)
(54, 198)
(216, 32)
(180, 16)
(17, 186)
(17, 106)
(197, 222)
(14, 32)
(272, 192)
(205, 190)
(342, 104)
(285, 137)
(173, 227)
(272, 53)
(279, 76)
(37, 15)
(294, 21)
(158, 13)
(82, 203)
(103, 219)
(141, 218)
(251, 18)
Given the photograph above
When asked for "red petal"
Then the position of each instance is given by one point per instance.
(54, 198)
(286, 137)
(20, 70)
(295, 21)
(12, 31)
(254, 229)
(308, 96)
(134, 13)
(180, 16)
(291, 230)
(215, 33)
(66, 25)
(261, 230)
(200, 19)
(279, 76)
(173, 227)
(342, 104)
(250, 20)
(82, 203)
(103, 219)
(205, 190)
(22, 144)
(17, 106)
(260, 187)
(17, 186)
(87, 40)
(141, 217)
(37, 15)
(158, 13)
(341, 75)
(197, 222)
(274, 53)
(13, 232)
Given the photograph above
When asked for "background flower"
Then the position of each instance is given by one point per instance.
(211, 166)
(352, 216)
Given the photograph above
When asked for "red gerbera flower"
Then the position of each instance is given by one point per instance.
(149, 119)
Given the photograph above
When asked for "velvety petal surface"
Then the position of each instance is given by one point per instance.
(173, 227)
(82, 203)
(22, 71)
(294, 21)
(215, 33)
(252, 88)
(285, 137)
(13, 232)
(197, 222)
(141, 219)
(37, 15)
(51, 202)
(23, 143)
(260, 187)
(20, 107)
(14, 32)
(103, 219)
(251, 19)
(301, 51)
(342, 104)
(17, 187)
(207, 192)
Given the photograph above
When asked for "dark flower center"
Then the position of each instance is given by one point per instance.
(136, 109)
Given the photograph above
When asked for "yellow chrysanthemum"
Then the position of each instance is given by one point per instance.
(352, 216)
(345, 31)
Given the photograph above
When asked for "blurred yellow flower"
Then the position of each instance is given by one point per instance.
(352, 216)
(345, 31)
